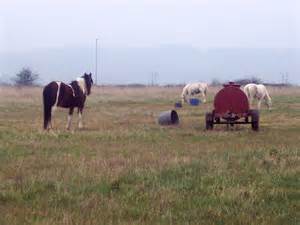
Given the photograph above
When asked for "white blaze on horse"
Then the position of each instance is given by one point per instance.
(73, 95)
(192, 89)
(259, 92)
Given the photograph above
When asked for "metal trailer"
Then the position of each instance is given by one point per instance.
(231, 106)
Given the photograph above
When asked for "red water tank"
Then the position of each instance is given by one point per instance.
(231, 99)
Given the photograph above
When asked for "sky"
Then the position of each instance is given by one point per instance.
(44, 34)
(35, 24)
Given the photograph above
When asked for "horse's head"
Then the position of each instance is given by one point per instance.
(88, 82)
(269, 102)
(183, 98)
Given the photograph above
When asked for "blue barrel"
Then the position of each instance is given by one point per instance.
(168, 118)
(194, 101)
(178, 104)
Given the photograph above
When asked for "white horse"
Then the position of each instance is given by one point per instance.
(193, 89)
(259, 92)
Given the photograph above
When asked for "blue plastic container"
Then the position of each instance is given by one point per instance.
(194, 101)
(178, 105)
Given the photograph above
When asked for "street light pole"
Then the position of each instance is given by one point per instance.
(96, 63)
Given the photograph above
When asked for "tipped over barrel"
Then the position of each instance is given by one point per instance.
(168, 118)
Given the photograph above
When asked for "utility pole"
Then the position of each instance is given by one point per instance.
(96, 63)
(154, 78)
(286, 78)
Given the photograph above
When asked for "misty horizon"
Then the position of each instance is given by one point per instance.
(168, 64)
(194, 40)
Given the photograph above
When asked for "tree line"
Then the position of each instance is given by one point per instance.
(26, 77)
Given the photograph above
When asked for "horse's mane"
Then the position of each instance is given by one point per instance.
(76, 88)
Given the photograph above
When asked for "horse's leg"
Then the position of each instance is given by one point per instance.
(53, 109)
(185, 99)
(251, 102)
(80, 125)
(259, 103)
(269, 103)
(203, 96)
(47, 115)
(71, 110)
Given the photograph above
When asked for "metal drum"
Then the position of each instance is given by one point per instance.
(168, 118)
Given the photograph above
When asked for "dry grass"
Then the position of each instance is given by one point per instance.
(124, 168)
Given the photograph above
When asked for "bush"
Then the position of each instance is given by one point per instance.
(215, 82)
(254, 80)
(25, 77)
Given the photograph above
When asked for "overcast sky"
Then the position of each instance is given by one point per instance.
(33, 24)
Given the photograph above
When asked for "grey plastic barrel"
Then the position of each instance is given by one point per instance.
(168, 118)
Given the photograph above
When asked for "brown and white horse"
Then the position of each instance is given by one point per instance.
(192, 89)
(59, 94)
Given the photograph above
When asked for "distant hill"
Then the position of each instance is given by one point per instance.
(171, 64)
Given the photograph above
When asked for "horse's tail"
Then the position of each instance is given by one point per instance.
(50, 98)
(47, 107)
(205, 89)
(246, 90)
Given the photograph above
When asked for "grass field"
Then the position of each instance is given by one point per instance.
(123, 168)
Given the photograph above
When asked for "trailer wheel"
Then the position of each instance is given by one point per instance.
(209, 121)
(254, 119)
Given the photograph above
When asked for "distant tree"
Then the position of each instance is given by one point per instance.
(25, 77)
(215, 82)
(245, 81)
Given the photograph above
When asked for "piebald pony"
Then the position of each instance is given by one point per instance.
(194, 89)
(59, 94)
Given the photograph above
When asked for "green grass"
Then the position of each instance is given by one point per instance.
(123, 168)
